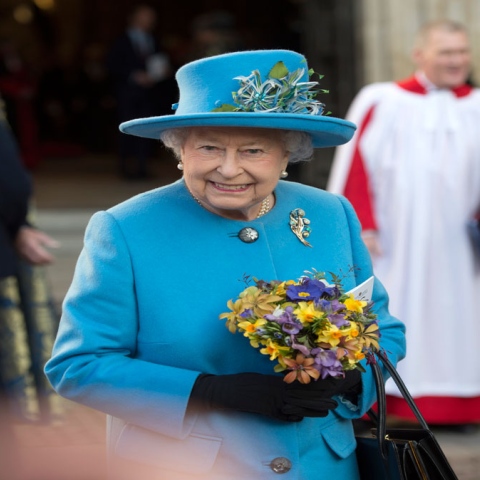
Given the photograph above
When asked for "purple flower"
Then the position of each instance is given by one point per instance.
(286, 319)
(280, 315)
(292, 327)
(309, 289)
(333, 308)
(330, 306)
(298, 346)
(338, 320)
(327, 363)
(247, 313)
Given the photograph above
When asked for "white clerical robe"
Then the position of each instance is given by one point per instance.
(412, 172)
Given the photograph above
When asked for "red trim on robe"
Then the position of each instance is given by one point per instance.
(357, 187)
(411, 84)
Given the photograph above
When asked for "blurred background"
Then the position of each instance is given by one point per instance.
(61, 104)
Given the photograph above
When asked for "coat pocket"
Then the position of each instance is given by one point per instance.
(194, 454)
(339, 436)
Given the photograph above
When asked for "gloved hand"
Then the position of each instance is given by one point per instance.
(308, 397)
(254, 393)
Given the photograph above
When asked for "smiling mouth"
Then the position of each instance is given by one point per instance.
(230, 188)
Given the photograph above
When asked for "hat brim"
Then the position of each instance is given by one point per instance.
(325, 131)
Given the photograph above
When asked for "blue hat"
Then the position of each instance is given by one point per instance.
(261, 89)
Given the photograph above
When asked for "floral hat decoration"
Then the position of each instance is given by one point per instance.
(260, 88)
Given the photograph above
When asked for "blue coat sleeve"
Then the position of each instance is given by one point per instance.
(93, 358)
(392, 331)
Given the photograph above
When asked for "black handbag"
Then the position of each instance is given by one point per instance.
(399, 453)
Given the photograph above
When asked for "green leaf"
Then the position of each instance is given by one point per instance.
(279, 70)
(360, 367)
(225, 107)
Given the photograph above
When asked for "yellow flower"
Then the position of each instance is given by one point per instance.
(353, 331)
(355, 305)
(369, 336)
(281, 288)
(260, 303)
(331, 335)
(250, 331)
(306, 312)
(273, 349)
(359, 356)
(233, 316)
(250, 328)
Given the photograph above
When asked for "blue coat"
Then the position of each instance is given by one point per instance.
(141, 322)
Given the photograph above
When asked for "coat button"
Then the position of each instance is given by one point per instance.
(248, 235)
(281, 465)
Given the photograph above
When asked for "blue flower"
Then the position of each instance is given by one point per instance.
(309, 289)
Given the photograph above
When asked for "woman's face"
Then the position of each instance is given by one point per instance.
(232, 170)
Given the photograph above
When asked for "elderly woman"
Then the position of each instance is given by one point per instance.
(140, 338)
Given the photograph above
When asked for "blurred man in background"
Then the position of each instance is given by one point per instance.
(412, 173)
(138, 67)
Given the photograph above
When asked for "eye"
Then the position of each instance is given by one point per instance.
(253, 151)
(208, 148)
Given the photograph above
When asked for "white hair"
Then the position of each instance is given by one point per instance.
(444, 25)
(298, 144)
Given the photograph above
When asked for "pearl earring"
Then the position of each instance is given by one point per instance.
(180, 165)
(284, 174)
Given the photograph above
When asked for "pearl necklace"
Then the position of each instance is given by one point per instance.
(265, 208)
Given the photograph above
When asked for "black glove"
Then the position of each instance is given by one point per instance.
(317, 394)
(254, 393)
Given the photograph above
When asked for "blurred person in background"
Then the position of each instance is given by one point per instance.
(19, 90)
(412, 173)
(28, 320)
(140, 70)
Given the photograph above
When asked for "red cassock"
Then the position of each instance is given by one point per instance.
(412, 172)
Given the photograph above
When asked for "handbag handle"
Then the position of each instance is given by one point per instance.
(381, 418)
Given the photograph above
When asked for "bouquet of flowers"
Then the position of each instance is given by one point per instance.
(310, 326)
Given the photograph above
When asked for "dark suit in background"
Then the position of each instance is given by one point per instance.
(141, 72)
(15, 191)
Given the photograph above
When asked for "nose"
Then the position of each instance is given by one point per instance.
(230, 166)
